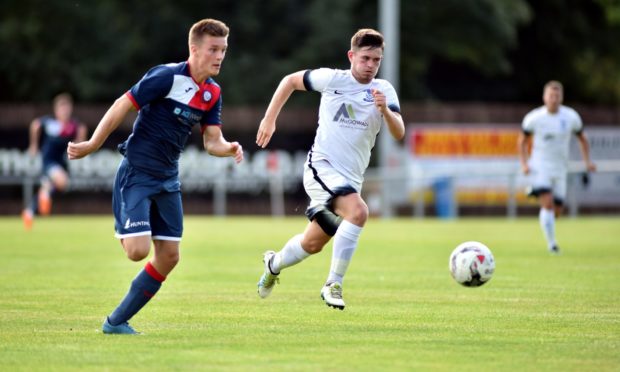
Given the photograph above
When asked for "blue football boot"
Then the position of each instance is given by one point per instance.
(121, 329)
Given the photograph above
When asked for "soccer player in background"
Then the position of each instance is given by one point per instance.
(354, 106)
(547, 130)
(170, 99)
(49, 135)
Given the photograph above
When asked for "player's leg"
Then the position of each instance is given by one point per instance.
(296, 249)
(322, 226)
(558, 207)
(355, 213)
(132, 204)
(344, 217)
(546, 218)
(142, 288)
(145, 285)
(56, 179)
(559, 193)
(557, 200)
(138, 247)
(166, 224)
(299, 247)
(166, 256)
(542, 187)
(167, 228)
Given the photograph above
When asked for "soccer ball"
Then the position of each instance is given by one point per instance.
(472, 264)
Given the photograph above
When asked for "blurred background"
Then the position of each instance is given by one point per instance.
(466, 71)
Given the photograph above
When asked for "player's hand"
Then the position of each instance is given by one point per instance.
(236, 151)
(590, 167)
(79, 150)
(525, 169)
(265, 131)
(32, 151)
(380, 100)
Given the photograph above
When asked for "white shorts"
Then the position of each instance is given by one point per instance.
(542, 180)
(323, 183)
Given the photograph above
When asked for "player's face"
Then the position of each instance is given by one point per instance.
(209, 54)
(63, 110)
(365, 63)
(552, 98)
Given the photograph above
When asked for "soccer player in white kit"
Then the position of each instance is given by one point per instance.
(354, 106)
(548, 130)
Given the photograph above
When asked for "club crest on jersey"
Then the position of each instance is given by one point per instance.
(369, 97)
(206, 96)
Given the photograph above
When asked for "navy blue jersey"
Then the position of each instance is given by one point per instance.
(55, 137)
(170, 103)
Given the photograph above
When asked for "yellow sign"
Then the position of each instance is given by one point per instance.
(464, 143)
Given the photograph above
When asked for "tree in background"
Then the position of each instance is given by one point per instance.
(486, 50)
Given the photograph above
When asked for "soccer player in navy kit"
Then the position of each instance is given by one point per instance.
(171, 99)
(49, 135)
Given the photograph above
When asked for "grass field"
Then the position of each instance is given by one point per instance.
(404, 312)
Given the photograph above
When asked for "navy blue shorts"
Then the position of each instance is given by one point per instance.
(146, 205)
(50, 165)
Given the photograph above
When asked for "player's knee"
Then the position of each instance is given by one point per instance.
(171, 257)
(61, 185)
(136, 251)
(60, 180)
(359, 214)
(546, 201)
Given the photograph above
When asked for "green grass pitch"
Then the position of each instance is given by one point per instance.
(404, 311)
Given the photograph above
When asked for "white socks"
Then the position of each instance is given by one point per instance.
(546, 217)
(291, 254)
(345, 243)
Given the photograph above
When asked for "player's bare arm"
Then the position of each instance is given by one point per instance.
(393, 119)
(267, 127)
(584, 146)
(216, 145)
(523, 143)
(35, 135)
(110, 121)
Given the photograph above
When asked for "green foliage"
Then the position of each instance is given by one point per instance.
(450, 49)
(404, 312)
(571, 41)
(477, 33)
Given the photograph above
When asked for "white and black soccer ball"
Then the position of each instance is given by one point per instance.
(472, 264)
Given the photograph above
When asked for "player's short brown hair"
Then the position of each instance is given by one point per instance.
(207, 26)
(554, 84)
(367, 37)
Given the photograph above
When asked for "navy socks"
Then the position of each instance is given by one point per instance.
(143, 287)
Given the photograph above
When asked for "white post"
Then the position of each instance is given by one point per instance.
(389, 26)
(219, 194)
(511, 207)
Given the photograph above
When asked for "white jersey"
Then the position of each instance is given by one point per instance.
(349, 121)
(552, 133)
